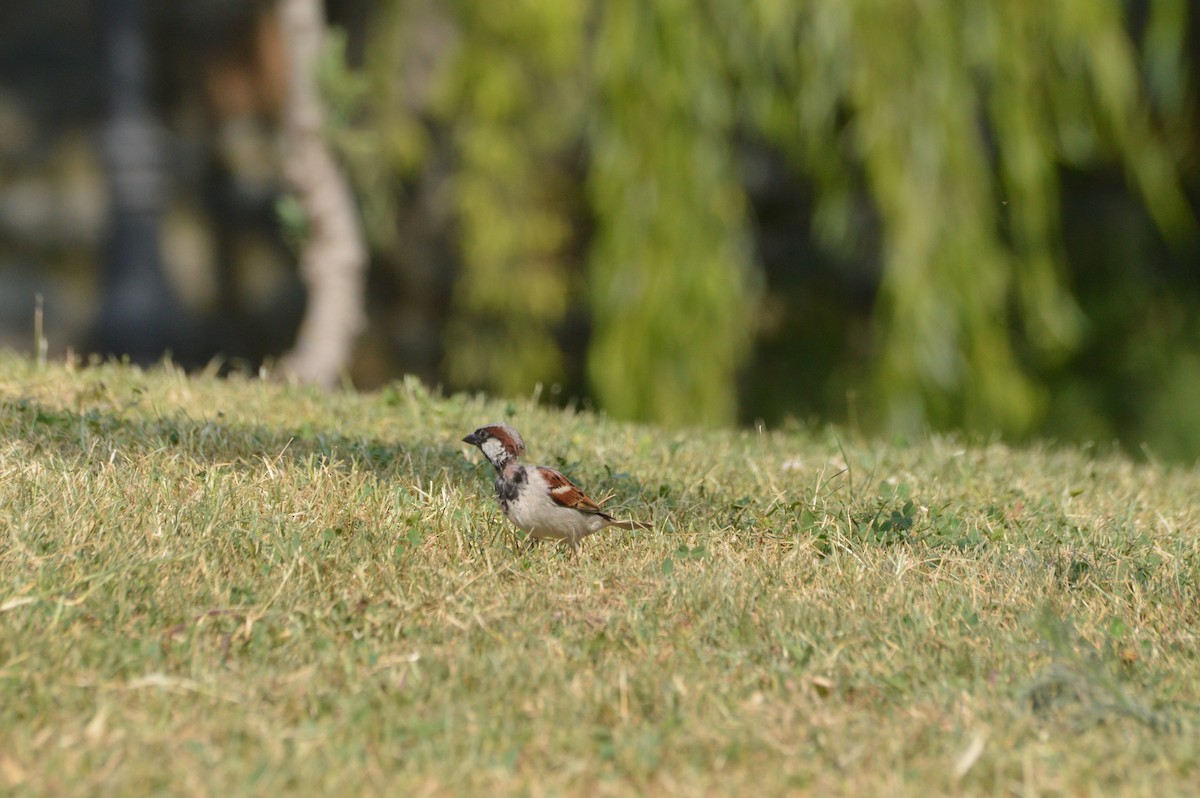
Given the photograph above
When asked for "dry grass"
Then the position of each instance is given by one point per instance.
(233, 588)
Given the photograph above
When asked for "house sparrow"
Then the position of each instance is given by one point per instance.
(537, 499)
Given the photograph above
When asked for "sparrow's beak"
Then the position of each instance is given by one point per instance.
(472, 439)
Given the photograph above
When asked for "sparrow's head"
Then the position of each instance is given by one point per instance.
(498, 442)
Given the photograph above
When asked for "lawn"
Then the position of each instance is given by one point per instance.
(234, 587)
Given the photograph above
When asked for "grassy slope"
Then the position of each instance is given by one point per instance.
(228, 588)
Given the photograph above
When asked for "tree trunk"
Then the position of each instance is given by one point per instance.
(333, 262)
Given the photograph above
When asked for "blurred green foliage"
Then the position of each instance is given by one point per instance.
(597, 169)
(670, 286)
(512, 95)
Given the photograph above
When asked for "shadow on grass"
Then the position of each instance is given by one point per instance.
(95, 434)
(1090, 684)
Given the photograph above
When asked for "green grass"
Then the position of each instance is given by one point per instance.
(238, 588)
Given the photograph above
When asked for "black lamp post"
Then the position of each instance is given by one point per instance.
(139, 315)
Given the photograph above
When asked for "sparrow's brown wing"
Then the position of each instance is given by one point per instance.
(563, 491)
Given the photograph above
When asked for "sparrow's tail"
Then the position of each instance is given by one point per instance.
(631, 525)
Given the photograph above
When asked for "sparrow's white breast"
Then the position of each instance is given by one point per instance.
(535, 511)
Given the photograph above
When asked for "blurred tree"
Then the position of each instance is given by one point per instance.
(952, 136)
(513, 94)
(333, 258)
(958, 129)
(670, 265)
